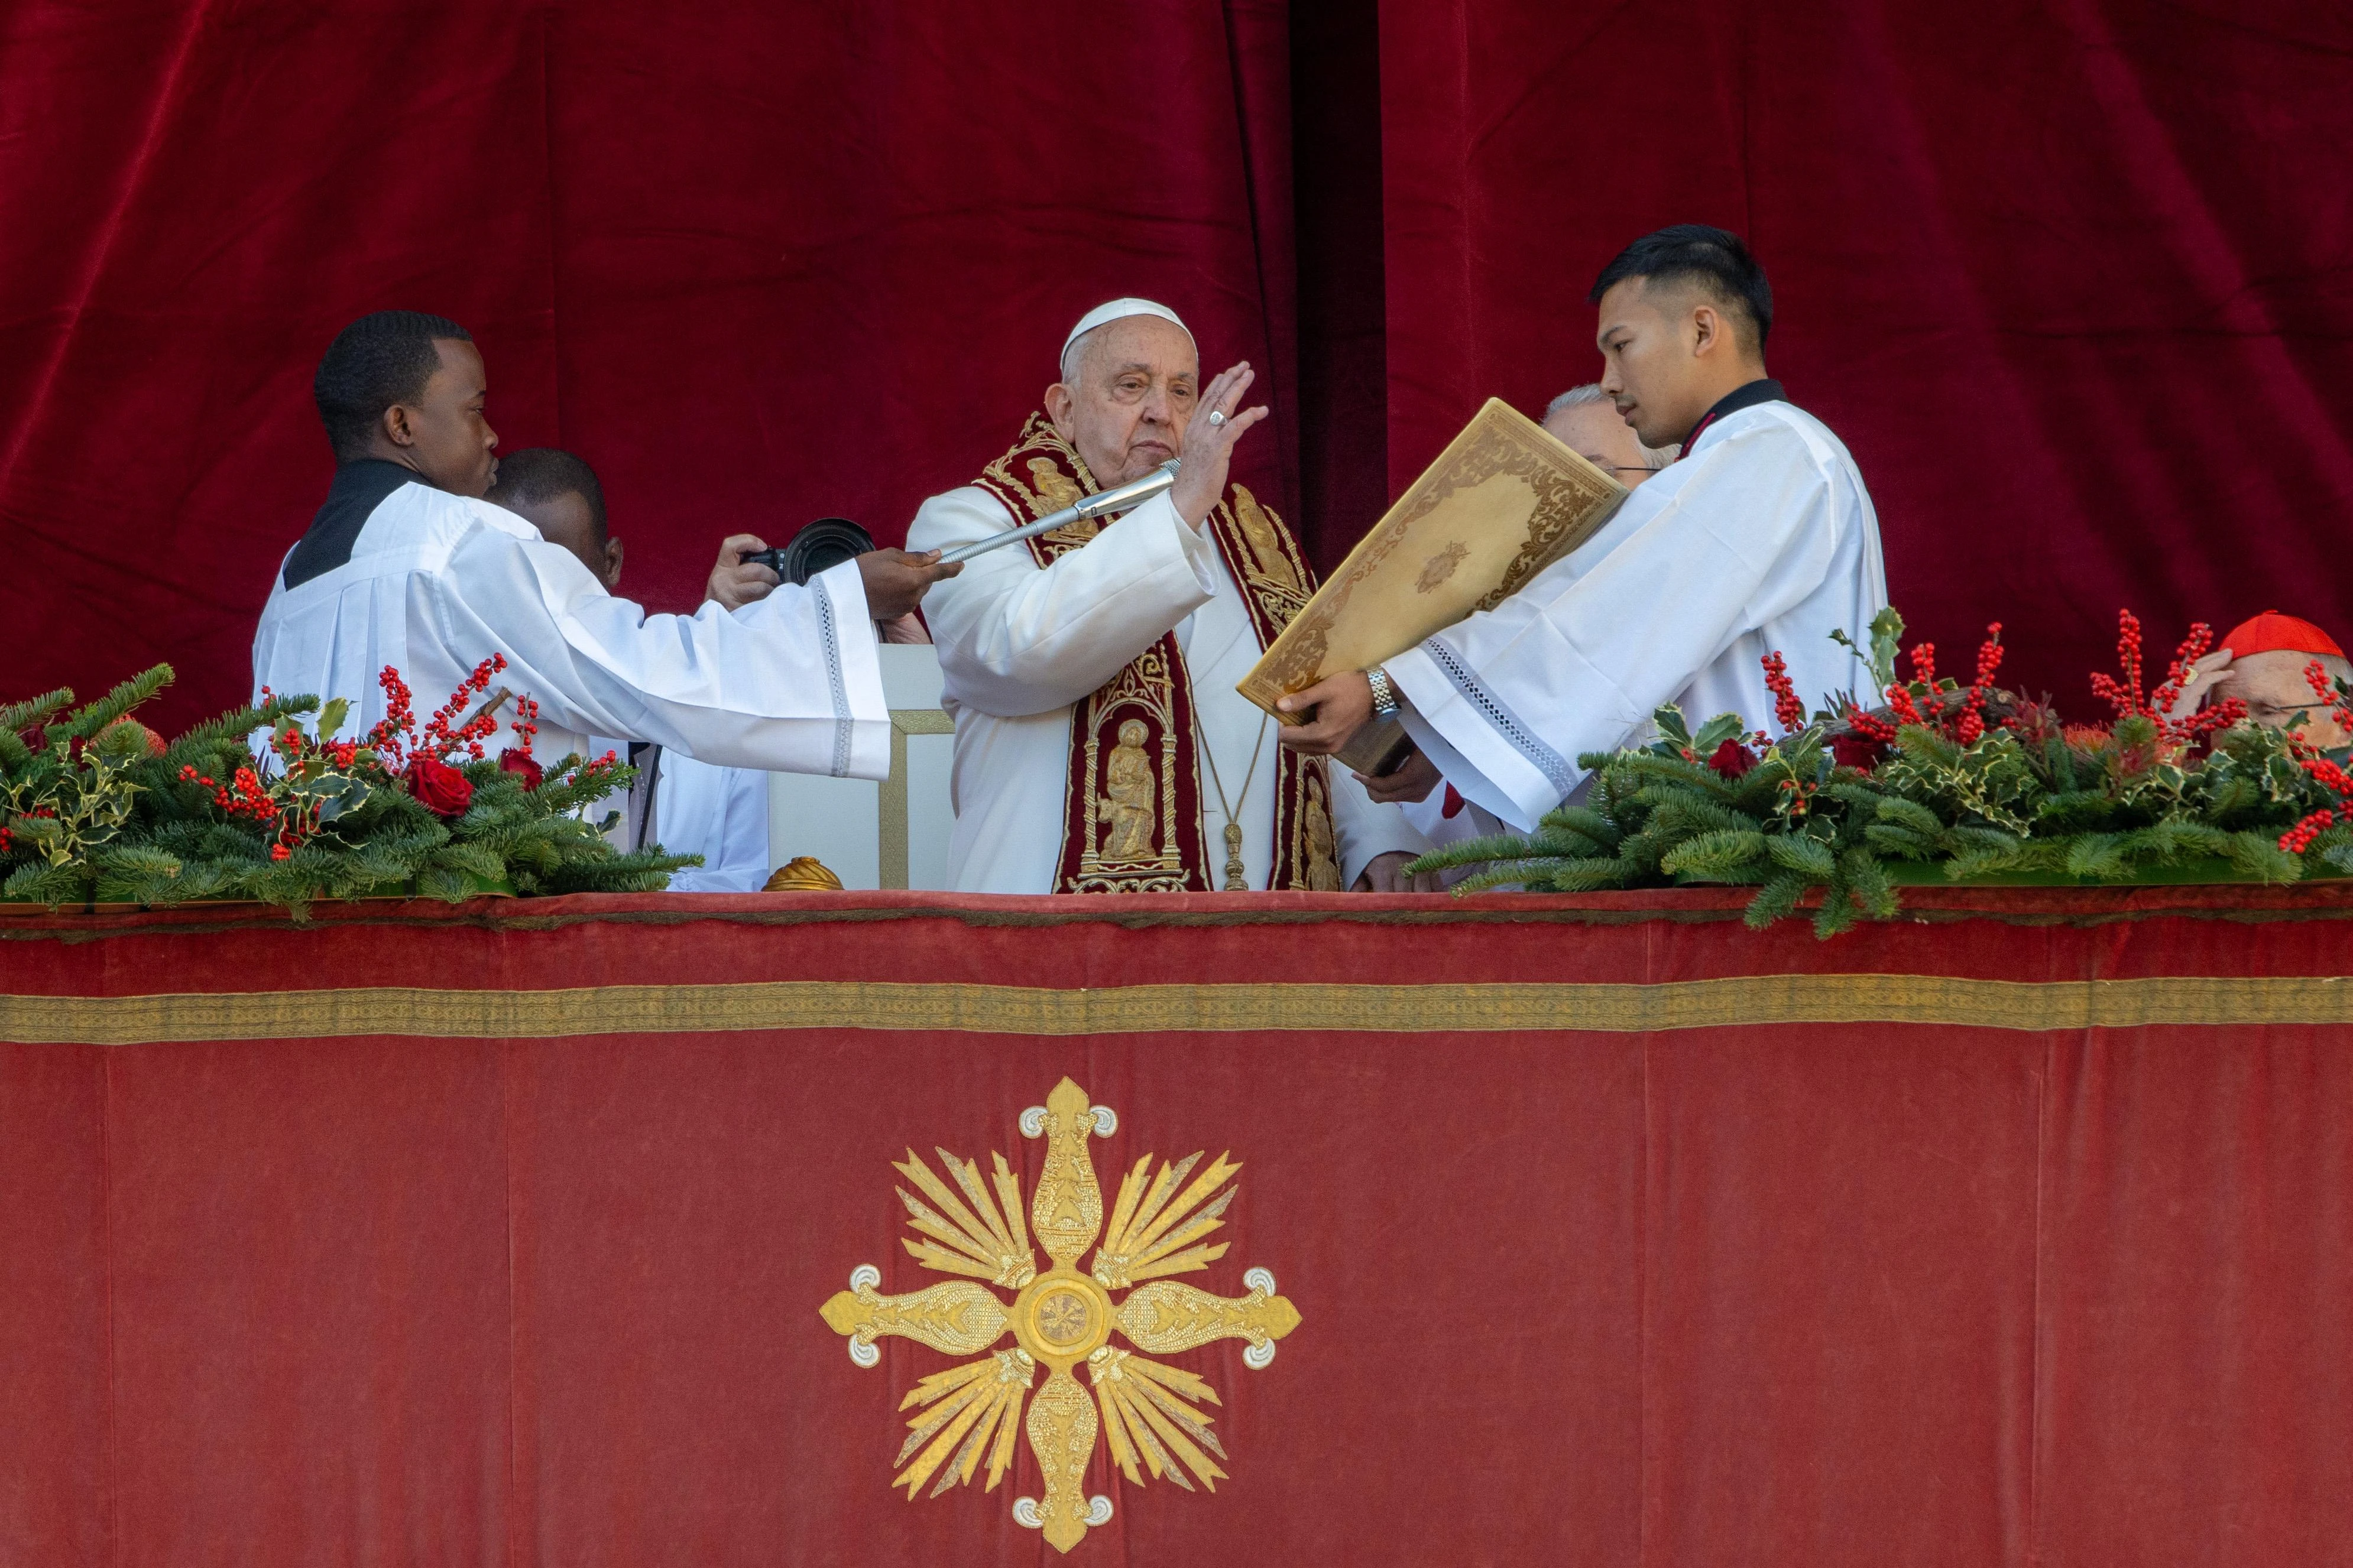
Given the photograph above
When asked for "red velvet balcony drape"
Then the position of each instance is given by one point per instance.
(2019, 1234)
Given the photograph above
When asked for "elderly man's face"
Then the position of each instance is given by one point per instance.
(2272, 687)
(1137, 379)
(1594, 432)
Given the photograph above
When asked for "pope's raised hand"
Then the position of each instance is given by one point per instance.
(896, 581)
(1210, 442)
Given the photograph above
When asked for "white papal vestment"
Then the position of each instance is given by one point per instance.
(1019, 645)
(1762, 537)
(433, 584)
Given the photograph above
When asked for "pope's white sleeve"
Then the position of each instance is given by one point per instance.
(790, 683)
(1016, 639)
(1363, 828)
(1505, 700)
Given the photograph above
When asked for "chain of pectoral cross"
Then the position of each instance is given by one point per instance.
(1237, 876)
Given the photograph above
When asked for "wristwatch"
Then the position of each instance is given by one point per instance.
(1385, 702)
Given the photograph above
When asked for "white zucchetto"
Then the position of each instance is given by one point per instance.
(1119, 310)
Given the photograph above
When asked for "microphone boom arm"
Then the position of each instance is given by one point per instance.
(1123, 497)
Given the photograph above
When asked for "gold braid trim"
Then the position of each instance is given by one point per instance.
(1567, 1008)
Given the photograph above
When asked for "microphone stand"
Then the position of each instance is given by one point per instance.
(1125, 498)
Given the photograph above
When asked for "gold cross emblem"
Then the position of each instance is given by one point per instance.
(1149, 1412)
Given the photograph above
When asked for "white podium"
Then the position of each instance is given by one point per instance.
(893, 834)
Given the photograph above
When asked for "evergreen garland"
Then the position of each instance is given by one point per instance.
(1964, 782)
(95, 807)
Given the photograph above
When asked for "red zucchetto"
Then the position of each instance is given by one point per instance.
(2272, 632)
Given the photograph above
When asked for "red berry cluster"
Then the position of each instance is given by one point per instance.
(293, 746)
(2296, 840)
(389, 739)
(2341, 704)
(1875, 729)
(526, 723)
(597, 769)
(2178, 674)
(2123, 696)
(1970, 725)
(1964, 720)
(243, 795)
(441, 739)
(2328, 776)
(1789, 711)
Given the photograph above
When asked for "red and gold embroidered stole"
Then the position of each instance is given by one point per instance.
(1132, 810)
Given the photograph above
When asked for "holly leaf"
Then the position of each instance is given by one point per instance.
(1716, 732)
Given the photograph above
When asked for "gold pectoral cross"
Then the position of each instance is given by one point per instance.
(1237, 879)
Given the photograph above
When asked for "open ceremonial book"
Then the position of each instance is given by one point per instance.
(1502, 501)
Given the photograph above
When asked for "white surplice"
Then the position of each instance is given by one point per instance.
(1762, 537)
(434, 583)
(1019, 646)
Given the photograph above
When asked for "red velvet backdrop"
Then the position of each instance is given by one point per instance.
(2071, 278)
(759, 267)
(1614, 1240)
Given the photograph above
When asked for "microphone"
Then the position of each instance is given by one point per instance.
(1125, 498)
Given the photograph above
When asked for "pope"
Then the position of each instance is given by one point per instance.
(1099, 743)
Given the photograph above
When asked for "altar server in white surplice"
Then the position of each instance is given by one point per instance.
(1760, 538)
(1099, 743)
(406, 565)
(687, 807)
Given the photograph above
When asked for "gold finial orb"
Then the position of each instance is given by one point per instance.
(803, 874)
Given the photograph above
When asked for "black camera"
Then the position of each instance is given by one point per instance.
(823, 544)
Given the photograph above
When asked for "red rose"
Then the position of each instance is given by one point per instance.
(1853, 751)
(1732, 758)
(442, 788)
(515, 760)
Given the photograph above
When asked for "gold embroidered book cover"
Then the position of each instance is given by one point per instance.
(1504, 501)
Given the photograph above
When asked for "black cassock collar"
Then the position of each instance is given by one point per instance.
(1764, 390)
(359, 489)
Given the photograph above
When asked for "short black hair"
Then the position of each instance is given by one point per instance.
(545, 473)
(1715, 259)
(374, 362)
